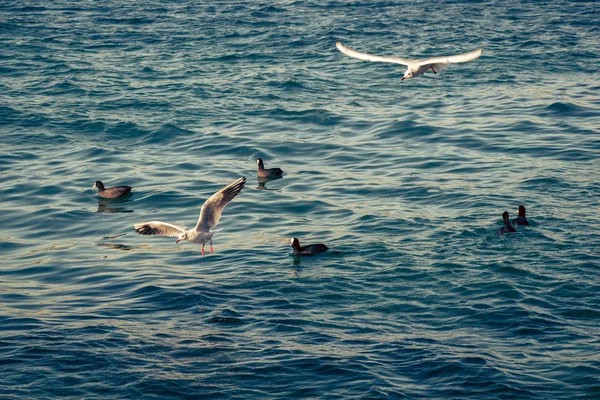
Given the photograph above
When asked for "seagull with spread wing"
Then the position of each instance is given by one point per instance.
(413, 67)
(209, 218)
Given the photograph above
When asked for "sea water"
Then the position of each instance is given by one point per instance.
(405, 181)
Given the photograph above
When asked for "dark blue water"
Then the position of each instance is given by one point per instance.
(406, 182)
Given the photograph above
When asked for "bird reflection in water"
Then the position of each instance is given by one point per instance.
(113, 206)
(115, 246)
(263, 181)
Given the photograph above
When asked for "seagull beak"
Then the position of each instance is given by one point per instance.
(403, 78)
(178, 240)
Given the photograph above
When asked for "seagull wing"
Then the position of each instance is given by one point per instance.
(213, 207)
(158, 228)
(370, 57)
(459, 58)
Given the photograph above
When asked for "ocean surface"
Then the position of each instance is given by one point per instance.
(419, 297)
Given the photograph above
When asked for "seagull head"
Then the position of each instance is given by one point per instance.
(181, 237)
(408, 74)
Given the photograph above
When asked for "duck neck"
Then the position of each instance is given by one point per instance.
(296, 246)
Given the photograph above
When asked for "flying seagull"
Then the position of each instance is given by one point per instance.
(413, 67)
(209, 218)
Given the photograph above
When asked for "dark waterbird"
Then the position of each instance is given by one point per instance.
(309, 250)
(267, 172)
(507, 228)
(521, 220)
(112, 192)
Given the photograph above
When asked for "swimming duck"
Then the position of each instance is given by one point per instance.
(112, 192)
(267, 172)
(309, 250)
(521, 220)
(507, 228)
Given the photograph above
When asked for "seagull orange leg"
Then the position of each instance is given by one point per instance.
(202, 248)
(211, 249)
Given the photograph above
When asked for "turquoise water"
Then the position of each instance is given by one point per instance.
(419, 297)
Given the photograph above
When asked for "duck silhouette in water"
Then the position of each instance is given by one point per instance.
(309, 250)
(507, 228)
(521, 220)
(271, 173)
(112, 192)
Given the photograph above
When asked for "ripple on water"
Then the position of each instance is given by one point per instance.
(419, 297)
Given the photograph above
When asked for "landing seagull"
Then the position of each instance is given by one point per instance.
(413, 67)
(209, 218)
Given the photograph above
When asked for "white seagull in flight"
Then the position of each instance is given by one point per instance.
(413, 67)
(209, 218)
